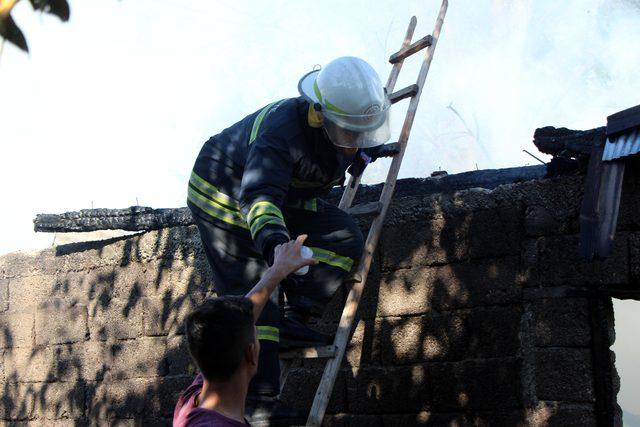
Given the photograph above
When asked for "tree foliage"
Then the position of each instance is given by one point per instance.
(10, 31)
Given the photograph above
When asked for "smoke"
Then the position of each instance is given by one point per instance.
(509, 67)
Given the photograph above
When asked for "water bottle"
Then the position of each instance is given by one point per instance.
(306, 253)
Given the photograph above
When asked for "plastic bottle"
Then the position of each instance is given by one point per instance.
(306, 253)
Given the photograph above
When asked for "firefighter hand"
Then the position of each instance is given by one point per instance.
(288, 257)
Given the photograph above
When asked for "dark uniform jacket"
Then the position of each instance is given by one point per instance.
(278, 156)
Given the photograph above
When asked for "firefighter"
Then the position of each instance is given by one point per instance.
(257, 184)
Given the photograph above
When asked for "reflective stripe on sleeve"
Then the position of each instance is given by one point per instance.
(268, 333)
(215, 210)
(307, 205)
(212, 192)
(332, 258)
(263, 213)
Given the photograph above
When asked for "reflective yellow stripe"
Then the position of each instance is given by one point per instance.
(263, 213)
(311, 205)
(213, 193)
(258, 121)
(263, 208)
(268, 333)
(332, 258)
(215, 210)
(259, 224)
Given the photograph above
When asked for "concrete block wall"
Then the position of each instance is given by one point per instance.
(478, 311)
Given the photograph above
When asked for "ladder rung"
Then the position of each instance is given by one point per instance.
(426, 41)
(324, 352)
(365, 209)
(407, 92)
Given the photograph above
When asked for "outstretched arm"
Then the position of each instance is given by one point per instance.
(287, 259)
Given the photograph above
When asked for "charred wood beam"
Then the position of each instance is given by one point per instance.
(135, 218)
(141, 218)
(563, 142)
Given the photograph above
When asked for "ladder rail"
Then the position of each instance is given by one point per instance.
(350, 190)
(332, 367)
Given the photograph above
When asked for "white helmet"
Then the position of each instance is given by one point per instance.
(352, 100)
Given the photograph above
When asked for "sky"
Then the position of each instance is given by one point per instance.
(111, 108)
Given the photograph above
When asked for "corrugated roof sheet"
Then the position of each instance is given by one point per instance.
(622, 145)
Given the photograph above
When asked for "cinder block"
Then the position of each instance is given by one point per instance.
(461, 285)
(57, 322)
(363, 348)
(564, 374)
(540, 221)
(301, 387)
(86, 285)
(59, 400)
(476, 384)
(115, 318)
(561, 322)
(165, 393)
(87, 256)
(369, 301)
(452, 336)
(82, 362)
(628, 218)
(21, 264)
(374, 390)
(4, 294)
(114, 400)
(16, 328)
(153, 278)
(17, 402)
(560, 414)
(30, 292)
(165, 315)
(557, 262)
(140, 358)
(457, 236)
(351, 420)
(178, 357)
(37, 364)
(476, 419)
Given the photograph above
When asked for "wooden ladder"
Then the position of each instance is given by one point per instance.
(335, 353)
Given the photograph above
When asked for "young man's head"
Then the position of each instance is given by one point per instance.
(222, 338)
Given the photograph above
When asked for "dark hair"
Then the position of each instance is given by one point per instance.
(218, 333)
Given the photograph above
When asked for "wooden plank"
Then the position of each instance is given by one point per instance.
(407, 92)
(623, 121)
(352, 184)
(324, 352)
(365, 209)
(426, 41)
(345, 326)
(608, 206)
(588, 210)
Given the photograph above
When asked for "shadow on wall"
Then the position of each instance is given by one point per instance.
(438, 335)
(93, 331)
(451, 329)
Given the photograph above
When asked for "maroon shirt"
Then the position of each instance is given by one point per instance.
(187, 414)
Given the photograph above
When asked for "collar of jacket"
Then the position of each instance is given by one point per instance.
(313, 118)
